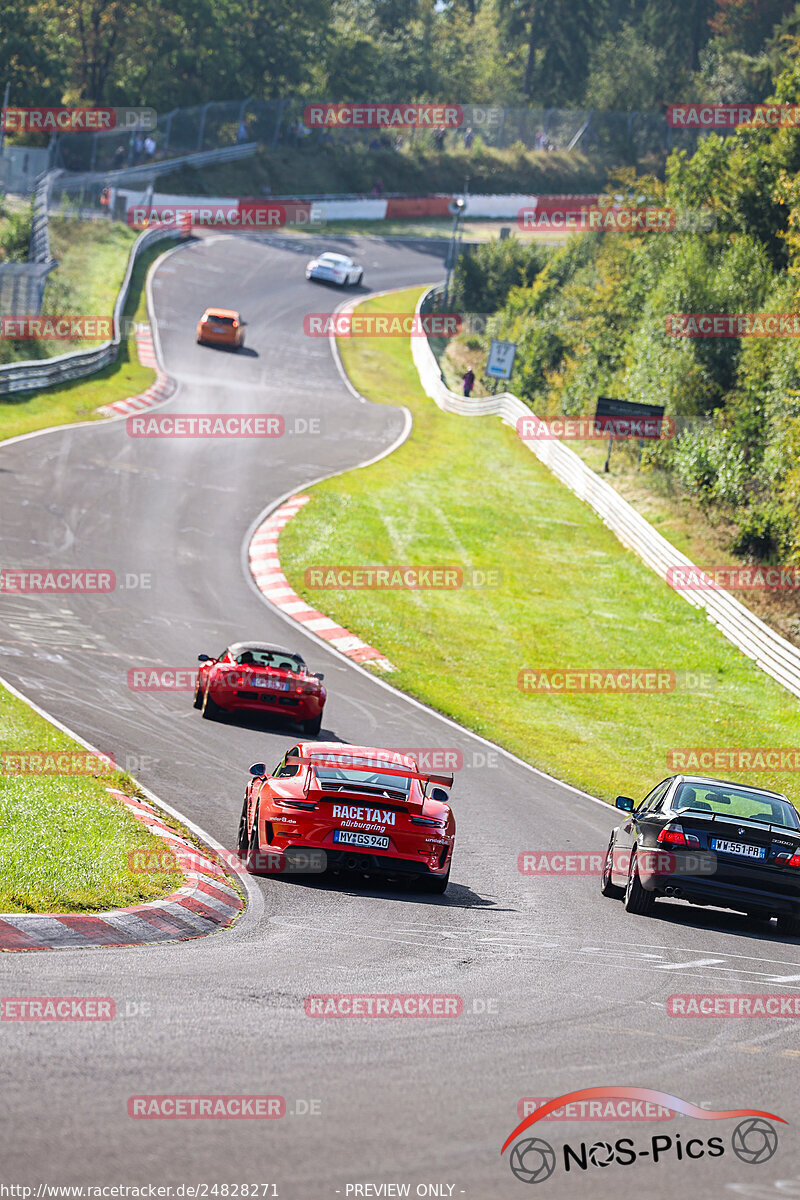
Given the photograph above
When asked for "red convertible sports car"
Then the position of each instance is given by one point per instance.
(258, 677)
(357, 808)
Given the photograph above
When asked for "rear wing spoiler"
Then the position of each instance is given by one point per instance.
(375, 764)
(712, 816)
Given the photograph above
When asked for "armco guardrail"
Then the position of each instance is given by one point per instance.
(143, 172)
(770, 651)
(39, 373)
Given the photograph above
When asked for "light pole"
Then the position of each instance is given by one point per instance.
(456, 206)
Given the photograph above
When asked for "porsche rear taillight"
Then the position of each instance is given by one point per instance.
(673, 835)
(429, 821)
(297, 804)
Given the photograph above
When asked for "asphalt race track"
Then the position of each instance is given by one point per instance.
(561, 989)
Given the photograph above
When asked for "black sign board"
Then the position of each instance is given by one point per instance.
(627, 419)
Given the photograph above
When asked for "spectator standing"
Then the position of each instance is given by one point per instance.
(468, 138)
(241, 132)
(468, 381)
(149, 145)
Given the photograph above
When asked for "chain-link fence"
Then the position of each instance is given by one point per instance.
(629, 136)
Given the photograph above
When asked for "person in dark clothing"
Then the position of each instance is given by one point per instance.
(469, 382)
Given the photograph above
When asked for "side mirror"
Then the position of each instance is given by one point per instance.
(204, 658)
(438, 793)
(625, 803)
(259, 770)
(318, 676)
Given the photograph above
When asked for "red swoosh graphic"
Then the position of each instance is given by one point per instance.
(637, 1093)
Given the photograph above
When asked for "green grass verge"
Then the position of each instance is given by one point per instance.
(467, 492)
(478, 230)
(64, 842)
(24, 412)
(415, 169)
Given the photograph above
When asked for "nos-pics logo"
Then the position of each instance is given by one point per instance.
(754, 1139)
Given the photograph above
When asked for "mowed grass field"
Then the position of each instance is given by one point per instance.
(24, 412)
(466, 492)
(64, 841)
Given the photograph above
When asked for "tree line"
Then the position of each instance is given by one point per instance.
(624, 56)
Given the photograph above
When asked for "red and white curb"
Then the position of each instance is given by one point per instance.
(204, 904)
(157, 393)
(265, 567)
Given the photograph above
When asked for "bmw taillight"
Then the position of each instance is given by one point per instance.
(786, 859)
(673, 835)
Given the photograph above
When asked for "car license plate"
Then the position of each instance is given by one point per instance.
(275, 685)
(373, 840)
(738, 848)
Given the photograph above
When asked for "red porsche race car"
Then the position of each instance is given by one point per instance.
(258, 677)
(359, 808)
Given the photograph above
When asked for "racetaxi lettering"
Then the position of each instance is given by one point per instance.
(377, 816)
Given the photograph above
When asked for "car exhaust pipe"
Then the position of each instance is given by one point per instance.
(352, 862)
(672, 891)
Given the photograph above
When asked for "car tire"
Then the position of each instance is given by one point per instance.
(243, 836)
(312, 728)
(607, 888)
(788, 923)
(198, 698)
(359, 277)
(211, 710)
(637, 899)
(253, 850)
(435, 885)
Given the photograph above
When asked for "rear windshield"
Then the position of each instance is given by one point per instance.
(271, 658)
(362, 780)
(738, 803)
(221, 320)
(332, 260)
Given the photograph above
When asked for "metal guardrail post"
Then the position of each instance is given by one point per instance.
(202, 130)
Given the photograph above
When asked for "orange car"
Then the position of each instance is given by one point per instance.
(220, 327)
